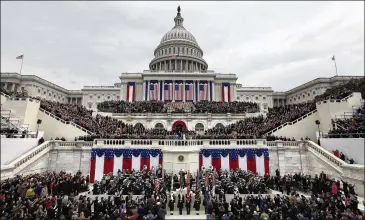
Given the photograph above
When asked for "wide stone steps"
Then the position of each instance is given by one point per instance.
(176, 216)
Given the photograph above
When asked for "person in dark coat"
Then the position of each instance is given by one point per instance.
(188, 203)
(197, 203)
(180, 203)
(172, 203)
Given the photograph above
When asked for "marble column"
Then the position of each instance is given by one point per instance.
(186, 65)
(181, 65)
(173, 90)
(122, 90)
(163, 89)
(144, 90)
(13, 87)
(170, 65)
(184, 91)
(175, 62)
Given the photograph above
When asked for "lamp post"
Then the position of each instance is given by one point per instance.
(319, 132)
(39, 121)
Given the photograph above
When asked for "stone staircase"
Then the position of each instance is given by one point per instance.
(191, 216)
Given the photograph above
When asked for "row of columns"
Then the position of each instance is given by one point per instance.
(173, 88)
(74, 101)
(177, 64)
(139, 96)
(13, 86)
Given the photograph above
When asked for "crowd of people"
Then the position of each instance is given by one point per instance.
(15, 94)
(343, 90)
(164, 107)
(41, 196)
(353, 127)
(248, 128)
(257, 127)
(9, 130)
(343, 157)
(151, 194)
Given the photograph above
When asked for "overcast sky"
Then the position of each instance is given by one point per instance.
(277, 44)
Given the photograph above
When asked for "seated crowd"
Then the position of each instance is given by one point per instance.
(256, 127)
(251, 127)
(162, 107)
(8, 130)
(349, 128)
(343, 90)
(15, 94)
(148, 194)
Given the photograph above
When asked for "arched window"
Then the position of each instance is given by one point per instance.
(139, 126)
(199, 127)
(159, 126)
(219, 125)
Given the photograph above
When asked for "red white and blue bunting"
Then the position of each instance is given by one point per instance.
(254, 160)
(110, 160)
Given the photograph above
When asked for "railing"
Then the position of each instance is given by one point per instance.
(7, 96)
(23, 99)
(13, 122)
(41, 149)
(212, 143)
(65, 122)
(291, 123)
(328, 155)
(345, 135)
(179, 114)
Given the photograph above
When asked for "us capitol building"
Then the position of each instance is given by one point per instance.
(178, 62)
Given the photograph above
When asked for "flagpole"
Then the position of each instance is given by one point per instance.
(21, 66)
(336, 67)
(334, 60)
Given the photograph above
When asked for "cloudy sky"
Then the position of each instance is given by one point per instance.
(277, 44)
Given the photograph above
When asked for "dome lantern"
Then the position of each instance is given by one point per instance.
(178, 19)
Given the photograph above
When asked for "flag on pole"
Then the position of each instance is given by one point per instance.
(175, 56)
(333, 57)
(206, 179)
(172, 181)
(20, 57)
(214, 176)
(181, 179)
(156, 185)
(188, 182)
(197, 180)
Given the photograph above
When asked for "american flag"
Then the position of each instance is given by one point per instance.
(203, 92)
(188, 183)
(189, 92)
(154, 91)
(179, 91)
(214, 176)
(168, 92)
(156, 185)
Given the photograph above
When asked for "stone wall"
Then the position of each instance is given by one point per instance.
(70, 160)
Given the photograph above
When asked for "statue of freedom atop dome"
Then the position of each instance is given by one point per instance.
(178, 9)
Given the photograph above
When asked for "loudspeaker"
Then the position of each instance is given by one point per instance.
(318, 122)
(39, 121)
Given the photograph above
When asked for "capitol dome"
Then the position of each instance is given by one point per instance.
(178, 51)
(178, 32)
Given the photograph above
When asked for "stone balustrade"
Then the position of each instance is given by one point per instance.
(65, 122)
(201, 143)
